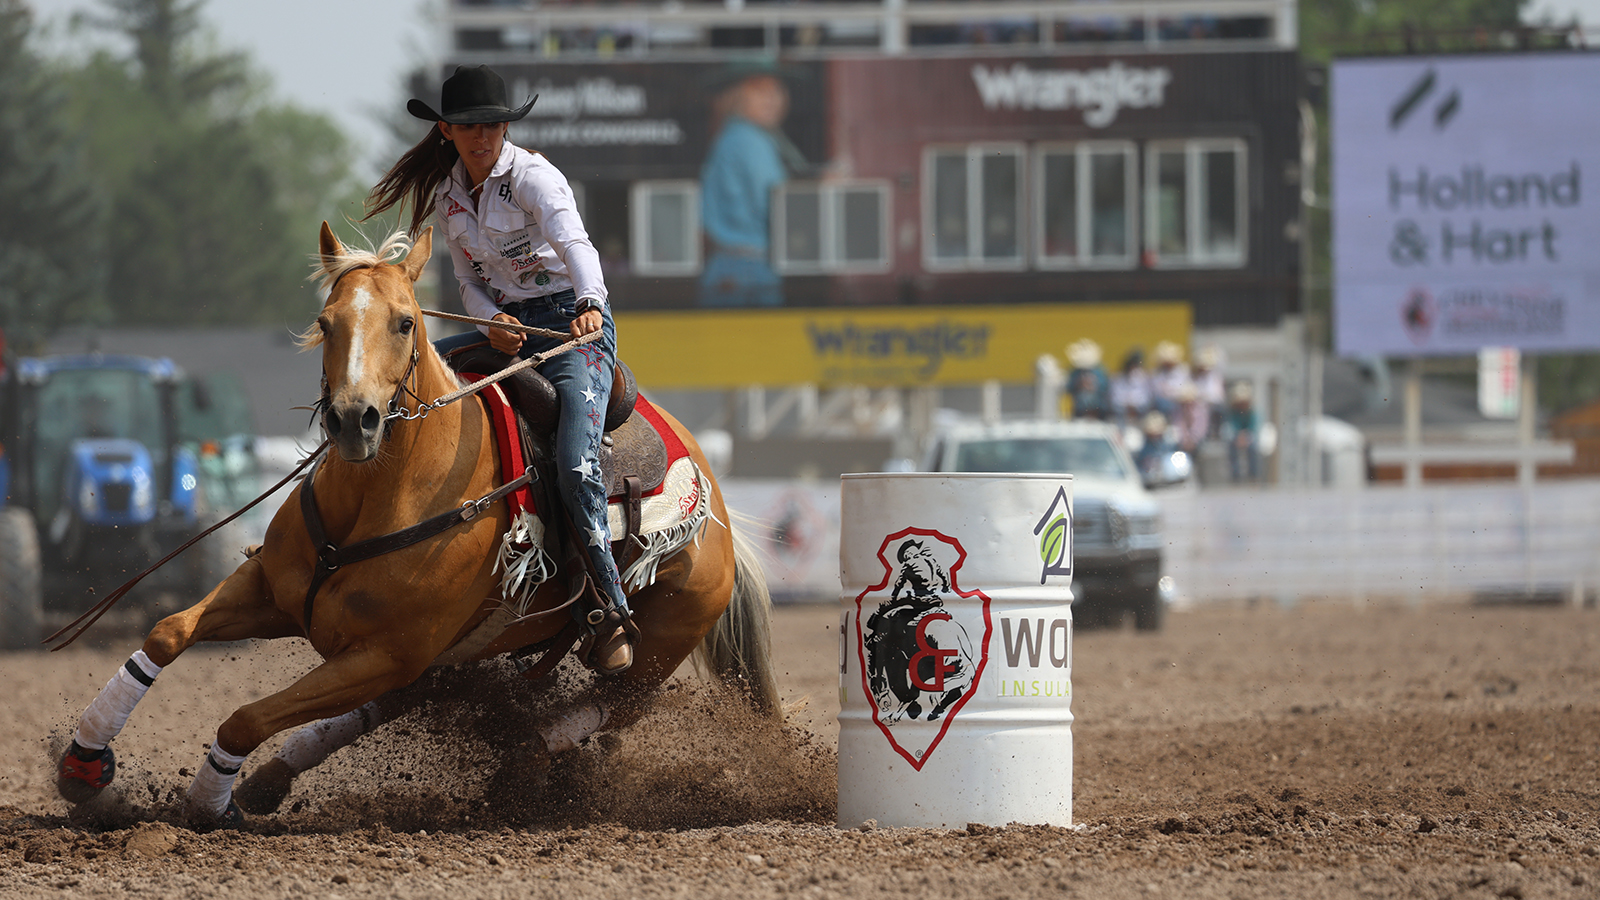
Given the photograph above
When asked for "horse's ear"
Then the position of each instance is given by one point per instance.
(328, 245)
(421, 249)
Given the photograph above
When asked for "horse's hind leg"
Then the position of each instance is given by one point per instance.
(266, 787)
(339, 685)
(237, 608)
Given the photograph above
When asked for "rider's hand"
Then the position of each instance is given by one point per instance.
(507, 342)
(587, 322)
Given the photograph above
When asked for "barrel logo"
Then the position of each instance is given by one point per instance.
(1055, 537)
(919, 663)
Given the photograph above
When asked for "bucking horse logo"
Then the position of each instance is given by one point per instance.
(918, 662)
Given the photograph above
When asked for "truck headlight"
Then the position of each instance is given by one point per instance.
(88, 503)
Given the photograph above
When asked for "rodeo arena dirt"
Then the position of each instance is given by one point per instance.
(1426, 750)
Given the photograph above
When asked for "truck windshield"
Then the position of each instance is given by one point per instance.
(1086, 456)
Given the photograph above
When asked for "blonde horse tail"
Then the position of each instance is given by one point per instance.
(738, 650)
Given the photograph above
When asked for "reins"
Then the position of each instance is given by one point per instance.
(327, 552)
(93, 613)
(423, 407)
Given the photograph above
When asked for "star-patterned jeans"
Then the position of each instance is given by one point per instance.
(582, 379)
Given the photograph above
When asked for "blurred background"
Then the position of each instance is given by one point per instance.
(986, 213)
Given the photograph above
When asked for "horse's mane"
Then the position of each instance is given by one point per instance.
(327, 270)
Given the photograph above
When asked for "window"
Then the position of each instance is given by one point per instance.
(831, 227)
(666, 227)
(1195, 203)
(1085, 212)
(973, 207)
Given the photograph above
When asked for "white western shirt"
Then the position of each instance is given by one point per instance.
(522, 239)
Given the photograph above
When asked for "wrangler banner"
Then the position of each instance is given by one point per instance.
(881, 346)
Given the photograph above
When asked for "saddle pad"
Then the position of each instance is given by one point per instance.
(642, 454)
(507, 441)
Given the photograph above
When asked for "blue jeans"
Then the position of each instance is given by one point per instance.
(582, 379)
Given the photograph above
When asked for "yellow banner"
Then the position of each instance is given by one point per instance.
(881, 346)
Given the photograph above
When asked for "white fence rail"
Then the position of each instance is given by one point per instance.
(1383, 541)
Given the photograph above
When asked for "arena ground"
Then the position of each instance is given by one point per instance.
(1434, 750)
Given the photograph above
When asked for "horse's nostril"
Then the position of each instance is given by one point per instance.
(369, 419)
(332, 420)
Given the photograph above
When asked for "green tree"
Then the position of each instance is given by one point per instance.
(214, 193)
(52, 268)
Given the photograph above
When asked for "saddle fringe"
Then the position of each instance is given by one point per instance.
(522, 562)
(658, 546)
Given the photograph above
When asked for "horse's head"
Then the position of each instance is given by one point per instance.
(371, 336)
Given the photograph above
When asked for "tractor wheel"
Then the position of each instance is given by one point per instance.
(21, 597)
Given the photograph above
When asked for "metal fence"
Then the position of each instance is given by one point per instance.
(1381, 541)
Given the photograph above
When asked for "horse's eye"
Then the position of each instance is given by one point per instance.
(407, 324)
(322, 325)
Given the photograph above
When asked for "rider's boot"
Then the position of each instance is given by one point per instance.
(608, 649)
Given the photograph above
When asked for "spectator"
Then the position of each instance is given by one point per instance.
(1169, 377)
(1130, 392)
(1207, 377)
(1156, 448)
(1088, 383)
(1241, 429)
(1194, 419)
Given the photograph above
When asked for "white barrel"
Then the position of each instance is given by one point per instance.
(955, 662)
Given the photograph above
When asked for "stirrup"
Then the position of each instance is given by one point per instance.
(608, 647)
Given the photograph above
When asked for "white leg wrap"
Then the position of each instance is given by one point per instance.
(308, 747)
(213, 784)
(574, 727)
(104, 718)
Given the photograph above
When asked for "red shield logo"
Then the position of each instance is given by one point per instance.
(919, 664)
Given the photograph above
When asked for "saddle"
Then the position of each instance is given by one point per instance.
(631, 448)
(633, 462)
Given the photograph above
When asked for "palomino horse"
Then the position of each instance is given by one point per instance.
(380, 623)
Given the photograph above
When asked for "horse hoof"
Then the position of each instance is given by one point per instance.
(232, 819)
(264, 790)
(83, 774)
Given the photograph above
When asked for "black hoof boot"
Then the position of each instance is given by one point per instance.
(84, 773)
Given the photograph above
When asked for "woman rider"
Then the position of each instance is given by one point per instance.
(521, 254)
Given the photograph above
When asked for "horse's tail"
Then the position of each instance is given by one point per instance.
(738, 650)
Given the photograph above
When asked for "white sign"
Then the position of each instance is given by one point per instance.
(1465, 212)
(1100, 93)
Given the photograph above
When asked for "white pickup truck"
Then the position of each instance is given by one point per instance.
(1116, 530)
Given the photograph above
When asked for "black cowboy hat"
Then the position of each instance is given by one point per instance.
(472, 96)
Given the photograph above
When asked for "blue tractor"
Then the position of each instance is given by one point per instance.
(109, 463)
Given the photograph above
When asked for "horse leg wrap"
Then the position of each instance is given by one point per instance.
(109, 712)
(308, 747)
(574, 727)
(213, 784)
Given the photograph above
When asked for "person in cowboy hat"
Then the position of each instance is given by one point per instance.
(521, 254)
(1088, 383)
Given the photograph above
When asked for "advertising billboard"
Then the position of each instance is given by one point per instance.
(1001, 178)
(1464, 214)
(880, 347)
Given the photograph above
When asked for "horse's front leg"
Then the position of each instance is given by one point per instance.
(238, 608)
(340, 685)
